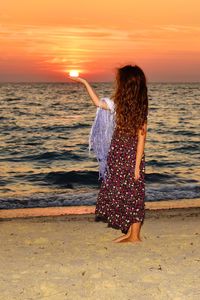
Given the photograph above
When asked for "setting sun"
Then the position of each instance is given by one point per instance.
(73, 73)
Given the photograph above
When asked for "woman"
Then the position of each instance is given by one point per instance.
(121, 197)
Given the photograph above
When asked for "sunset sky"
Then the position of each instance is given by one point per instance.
(41, 40)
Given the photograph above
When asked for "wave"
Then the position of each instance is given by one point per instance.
(169, 192)
(46, 156)
(187, 149)
(14, 98)
(67, 155)
(68, 180)
(75, 179)
(88, 178)
(63, 128)
(185, 132)
(161, 163)
(157, 177)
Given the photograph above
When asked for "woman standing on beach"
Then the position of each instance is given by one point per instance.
(120, 201)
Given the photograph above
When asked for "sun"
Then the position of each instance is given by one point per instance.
(74, 73)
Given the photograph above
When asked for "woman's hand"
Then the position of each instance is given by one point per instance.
(137, 174)
(77, 79)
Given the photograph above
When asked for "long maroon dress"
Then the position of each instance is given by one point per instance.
(120, 201)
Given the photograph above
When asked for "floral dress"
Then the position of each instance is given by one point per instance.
(120, 201)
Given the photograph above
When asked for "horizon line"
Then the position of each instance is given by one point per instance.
(64, 82)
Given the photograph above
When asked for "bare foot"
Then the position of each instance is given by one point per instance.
(121, 238)
(134, 234)
(130, 239)
(133, 240)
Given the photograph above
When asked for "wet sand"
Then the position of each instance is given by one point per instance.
(73, 257)
(68, 210)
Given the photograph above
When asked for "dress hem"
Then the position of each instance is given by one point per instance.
(102, 218)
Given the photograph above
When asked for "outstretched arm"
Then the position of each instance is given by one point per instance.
(95, 99)
(140, 149)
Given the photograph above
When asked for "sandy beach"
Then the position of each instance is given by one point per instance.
(73, 257)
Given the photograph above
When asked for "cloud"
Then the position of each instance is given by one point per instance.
(56, 32)
(82, 47)
(163, 31)
(62, 45)
(180, 28)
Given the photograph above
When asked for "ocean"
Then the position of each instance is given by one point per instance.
(44, 158)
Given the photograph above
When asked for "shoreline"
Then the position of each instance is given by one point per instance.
(84, 210)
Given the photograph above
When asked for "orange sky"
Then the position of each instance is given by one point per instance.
(40, 40)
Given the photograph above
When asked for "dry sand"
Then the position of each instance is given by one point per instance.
(73, 257)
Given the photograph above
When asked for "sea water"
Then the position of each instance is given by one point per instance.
(44, 131)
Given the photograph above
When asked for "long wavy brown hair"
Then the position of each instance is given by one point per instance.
(130, 98)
